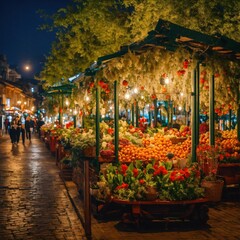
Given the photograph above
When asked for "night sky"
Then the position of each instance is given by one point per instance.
(20, 40)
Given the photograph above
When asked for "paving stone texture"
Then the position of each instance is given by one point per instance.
(36, 204)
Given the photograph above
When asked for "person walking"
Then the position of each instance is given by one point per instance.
(40, 123)
(6, 124)
(28, 128)
(13, 131)
(19, 125)
(23, 133)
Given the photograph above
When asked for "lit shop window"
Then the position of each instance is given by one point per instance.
(8, 102)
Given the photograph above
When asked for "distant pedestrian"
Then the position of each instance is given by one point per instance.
(28, 128)
(6, 125)
(32, 125)
(13, 131)
(40, 123)
(19, 125)
(23, 133)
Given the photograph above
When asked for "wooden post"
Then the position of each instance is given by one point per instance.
(97, 120)
(211, 112)
(155, 112)
(116, 119)
(193, 116)
(171, 114)
(74, 121)
(87, 200)
(83, 115)
(238, 112)
(230, 119)
(197, 102)
(137, 114)
(133, 114)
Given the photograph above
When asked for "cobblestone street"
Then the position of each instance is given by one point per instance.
(33, 200)
(35, 204)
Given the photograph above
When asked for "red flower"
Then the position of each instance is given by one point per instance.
(107, 91)
(141, 181)
(185, 64)
(202, 80)
(124, 185)
(124, 168)
(100, 83)
(125, 83)
(180, 72)
(227, 155)
(221, 157)
(172, 178)
(159, 170)
(153, 96)
(164, 75)
(91, 85)
(104, 86)
(110, 131)
(135, 172)
(187, 174)
(180, 178)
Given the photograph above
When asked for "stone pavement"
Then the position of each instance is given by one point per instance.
(36, 204)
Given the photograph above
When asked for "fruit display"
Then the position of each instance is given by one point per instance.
(229, 134)
(157, 148)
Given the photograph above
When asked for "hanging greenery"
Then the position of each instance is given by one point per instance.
(86, 30)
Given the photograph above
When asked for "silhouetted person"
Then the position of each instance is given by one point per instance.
(23, 133)
(40, 123)
(28, 128)
(6, 125)
(19, 125)
(13, 132)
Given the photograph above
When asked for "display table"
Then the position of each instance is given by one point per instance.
(230, 172)
(191, 210)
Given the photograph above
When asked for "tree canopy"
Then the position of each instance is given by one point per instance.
(88, 29)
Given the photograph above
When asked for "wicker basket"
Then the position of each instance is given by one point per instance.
(89, 152)
(177, 140)
(106, 159)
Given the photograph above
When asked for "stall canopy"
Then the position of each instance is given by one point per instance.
(171, 36)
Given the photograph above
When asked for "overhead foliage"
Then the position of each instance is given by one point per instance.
(88, 29)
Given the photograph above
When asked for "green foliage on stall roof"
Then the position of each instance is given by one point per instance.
(90, 29)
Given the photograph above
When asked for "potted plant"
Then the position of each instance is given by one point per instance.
(86, 143)
(208, 158)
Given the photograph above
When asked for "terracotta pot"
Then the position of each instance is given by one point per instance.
(213, 190)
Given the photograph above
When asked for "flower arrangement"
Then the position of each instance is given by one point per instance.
(131, 182)
(208, 159)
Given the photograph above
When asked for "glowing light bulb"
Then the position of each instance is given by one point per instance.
(67, 102)
(166, 80)
(127, 96)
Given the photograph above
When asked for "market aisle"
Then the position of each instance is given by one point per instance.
(33, 200)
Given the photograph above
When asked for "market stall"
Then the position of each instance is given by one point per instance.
(175, 67)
